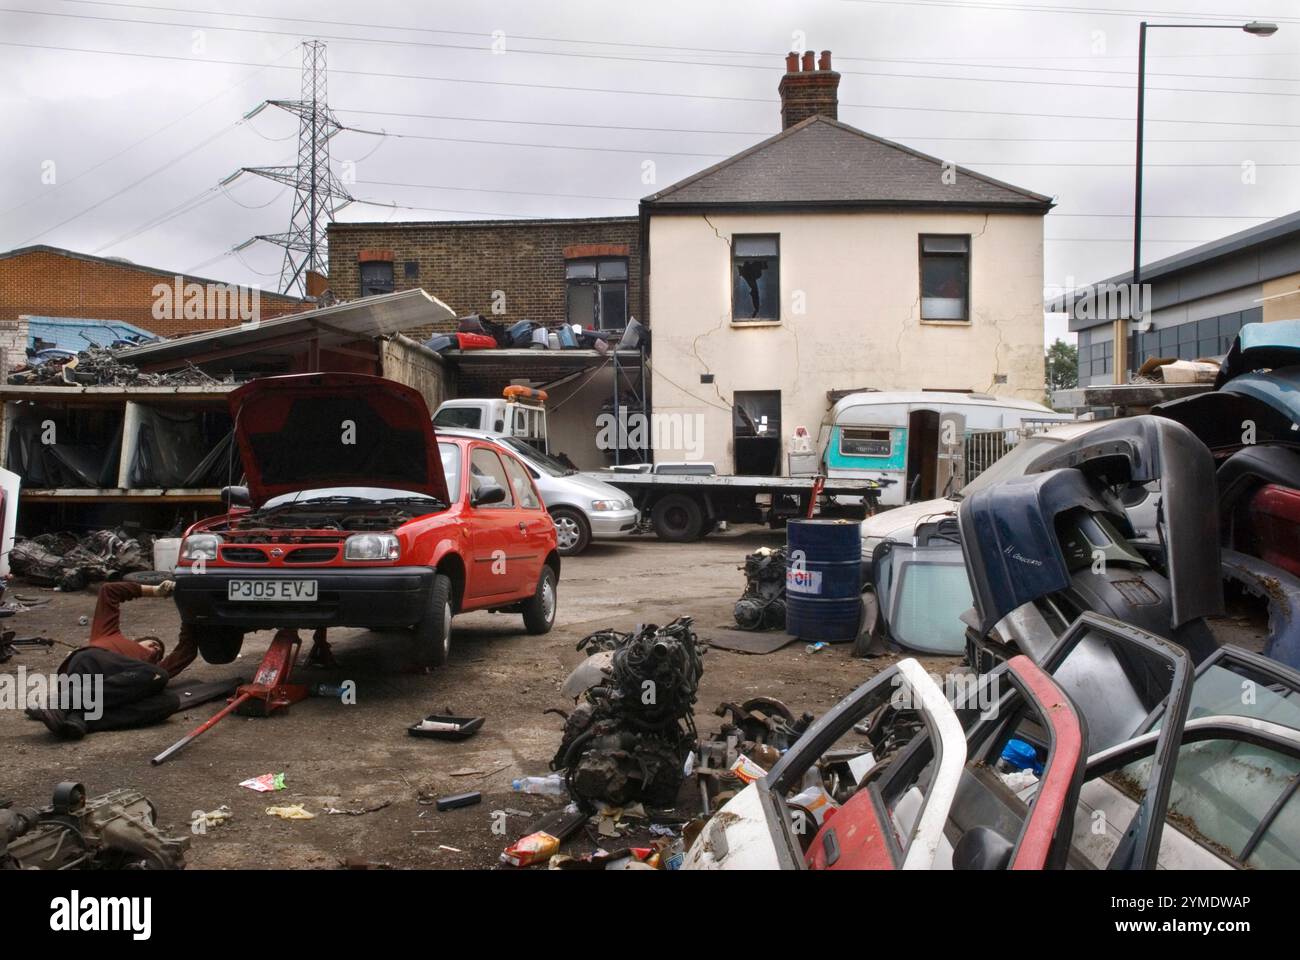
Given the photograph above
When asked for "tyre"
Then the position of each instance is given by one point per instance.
(539, 609)
(572, 531)
(432, 634)
(218, 644)
(677, 519)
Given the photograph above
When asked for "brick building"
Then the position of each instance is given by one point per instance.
(52, 282)
(586, 271)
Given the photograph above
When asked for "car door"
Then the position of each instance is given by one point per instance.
(534, 522)
(496, 551)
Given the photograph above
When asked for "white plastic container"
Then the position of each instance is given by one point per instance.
(166, 553)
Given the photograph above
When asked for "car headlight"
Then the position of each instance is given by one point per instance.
(200, 546)
(607, 504)
(371, 546)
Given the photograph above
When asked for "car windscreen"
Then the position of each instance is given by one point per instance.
(535, 458)
(451, 467)
(469, 418)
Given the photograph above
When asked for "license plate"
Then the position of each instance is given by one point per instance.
(277, 590)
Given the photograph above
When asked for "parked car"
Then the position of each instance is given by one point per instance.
(582, 507)
(356, 515)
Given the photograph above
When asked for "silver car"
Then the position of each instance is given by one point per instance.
(582, 507)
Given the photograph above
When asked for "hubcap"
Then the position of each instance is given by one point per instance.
(548, 599)
(566, 532)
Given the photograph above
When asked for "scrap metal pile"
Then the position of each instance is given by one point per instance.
(762, 605)
(97, 366)
(629, 740)
(69, 562)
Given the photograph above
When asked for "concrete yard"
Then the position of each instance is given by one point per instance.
(359, 757)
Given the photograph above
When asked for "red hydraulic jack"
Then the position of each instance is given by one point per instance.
(269, 691)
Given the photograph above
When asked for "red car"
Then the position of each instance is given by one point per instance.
(357, 515)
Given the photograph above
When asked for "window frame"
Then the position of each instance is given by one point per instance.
(598, 286)
(734, 260)
(365, 286)
(889, 441)
(507, 504)
(966, 256)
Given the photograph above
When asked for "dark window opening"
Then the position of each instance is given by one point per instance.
(412, 269)
(597, 293)
(376, 277)
(756, 432)
(756, 278)
(945, 277)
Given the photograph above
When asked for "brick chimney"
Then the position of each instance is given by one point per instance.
(806, 90)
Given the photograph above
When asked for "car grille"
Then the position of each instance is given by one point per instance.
(243, 555)
(312, 555)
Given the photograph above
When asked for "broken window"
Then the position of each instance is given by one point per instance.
(597, 293)
(376, 277)
(756, 278)
(945, 277)
(856, 442)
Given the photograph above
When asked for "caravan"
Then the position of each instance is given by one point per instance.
(927, 444)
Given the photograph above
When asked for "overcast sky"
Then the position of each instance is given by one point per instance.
(136, 123)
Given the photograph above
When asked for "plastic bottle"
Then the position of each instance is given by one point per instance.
(551, 786)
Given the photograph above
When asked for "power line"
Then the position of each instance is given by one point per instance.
(632, 59)
(641, 45)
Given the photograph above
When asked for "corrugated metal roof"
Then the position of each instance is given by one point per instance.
(77, 333)
(822, 162)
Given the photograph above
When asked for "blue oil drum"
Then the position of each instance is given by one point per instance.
(823, 579)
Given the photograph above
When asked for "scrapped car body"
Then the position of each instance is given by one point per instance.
(357, 515)
(936, 803)
(758, 830)
(582, 507)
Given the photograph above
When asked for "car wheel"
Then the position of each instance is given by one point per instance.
(572, 532)
(433, 632)
(677, 519)
(218, 644)
(539, 609)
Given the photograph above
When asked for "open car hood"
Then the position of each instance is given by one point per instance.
(1145, 449)
(335, 430)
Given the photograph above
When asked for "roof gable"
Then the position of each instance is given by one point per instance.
(822, 162)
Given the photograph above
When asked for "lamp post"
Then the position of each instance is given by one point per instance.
(1255, 28)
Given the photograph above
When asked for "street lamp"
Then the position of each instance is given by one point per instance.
(1255, 28)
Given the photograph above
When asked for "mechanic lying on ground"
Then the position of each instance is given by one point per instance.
(134, 672)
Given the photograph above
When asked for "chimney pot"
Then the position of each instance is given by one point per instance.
(808, 60)
(792, 62)
(825, 62)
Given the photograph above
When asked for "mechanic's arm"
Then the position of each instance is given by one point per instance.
(183, 654)
(107, 615)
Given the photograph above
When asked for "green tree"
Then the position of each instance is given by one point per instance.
(1062, 363)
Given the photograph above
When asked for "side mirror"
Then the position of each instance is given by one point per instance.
(488, 493)
(235, 497)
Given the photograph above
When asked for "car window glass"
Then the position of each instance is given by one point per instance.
(485, 467)
(451, 468)
(1223, 790)
(465, 417)
(522, 486)
(1275, 849)
(930, 599)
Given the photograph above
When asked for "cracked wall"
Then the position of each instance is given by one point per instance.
(850, 288)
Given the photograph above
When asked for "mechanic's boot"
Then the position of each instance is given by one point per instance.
(64, 724)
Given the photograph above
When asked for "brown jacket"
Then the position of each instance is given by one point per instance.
(106, 631)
